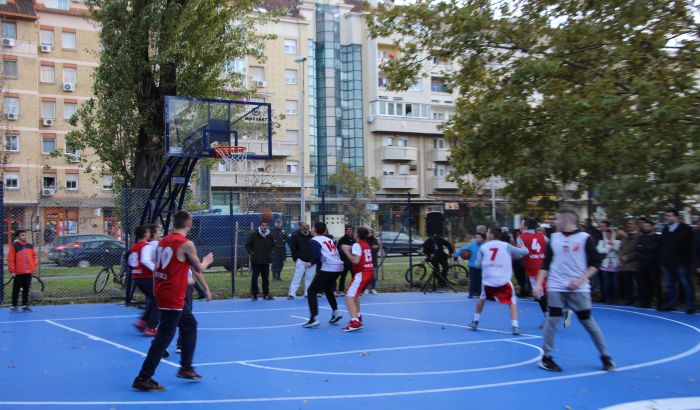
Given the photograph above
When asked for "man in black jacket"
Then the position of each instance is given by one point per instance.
(300, 244)
(647, 249)
(259, 246)
(439, 251)
(348, 239)
(279, 253)
(696, 246)
(675, 257)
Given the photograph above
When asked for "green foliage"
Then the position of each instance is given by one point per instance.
(582, 94)
(151, 49)
(353, 184)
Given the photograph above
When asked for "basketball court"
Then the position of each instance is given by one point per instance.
(414, 352)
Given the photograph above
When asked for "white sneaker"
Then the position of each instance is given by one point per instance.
(311, 323)
(366, 292)
(373, 291)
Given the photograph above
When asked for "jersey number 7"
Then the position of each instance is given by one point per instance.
(494, 252)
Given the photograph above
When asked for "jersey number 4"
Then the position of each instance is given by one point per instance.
(536, 246)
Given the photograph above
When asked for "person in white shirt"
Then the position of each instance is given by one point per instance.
(496, 262)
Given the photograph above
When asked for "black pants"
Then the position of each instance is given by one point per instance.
(649, 285)
(151, 315)
(347, 267)
(442, 264)
(23, 282)
(628, 279)
(188, 303)
(323, 282)
(474, 282)
(170, 320)
(260, 269)
(521, 278)
(278, 257)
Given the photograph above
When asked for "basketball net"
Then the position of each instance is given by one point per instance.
(235, 158)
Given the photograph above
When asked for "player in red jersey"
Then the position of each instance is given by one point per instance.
(360, 254)
(536, 244)
(175, 255)
(142, 273)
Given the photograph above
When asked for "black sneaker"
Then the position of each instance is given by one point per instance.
(548, 364)
(666, 309)
(268, 297)
(147, 385)
(335, 319)
(14, 309)
(690, 311)
(254, 298)
(311, 323)
(27, 309)
(188, 373)
(474, 325)
(290, 297)
(608, 364)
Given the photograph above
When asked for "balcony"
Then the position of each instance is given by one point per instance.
(441, 183)
(279, 148)
(399, 181)
(399, 153)
(440, 155)
(404, 124)
(230, 179)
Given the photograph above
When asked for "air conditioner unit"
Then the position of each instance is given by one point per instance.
(431, 166)
(261, 83)
(45, 48)
(8, 42)
(11, 116)
(73, 158)
(69, 87)
(371, 119)
(48, 191)
(47, 122)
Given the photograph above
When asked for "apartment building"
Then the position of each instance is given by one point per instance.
(48, 53)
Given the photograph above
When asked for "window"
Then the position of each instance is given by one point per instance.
(258, 73)
(46, 37)
(57, 4)
(49, 181)
(71, 182)
(68, 110)
(48, 145)
(9, 30)
(47, 74)
(383, 54)
(438, 143)
(292, 166)
(290, 107)
(404, 169)
(10, 105)
(381, 80)
(293, 135)
(237, 65)
(397, 109)
(68, 40)
(71, 150)
(290, 77)
(107, 182)
(438, 85)
(12, 180)
(418, 86)
(389, 142)
(440, 171)
(12, 143)
(439, 115)
(403, 142)
(389, 169)
(48, 109)
(9, 68)
(290, 46)
(70, 75)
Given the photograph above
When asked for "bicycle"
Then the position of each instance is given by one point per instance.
(34, 278)
(422, 269)
(103, 276)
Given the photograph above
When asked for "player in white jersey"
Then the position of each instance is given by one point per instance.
(571, 260)
(496, 262)
(324, 254)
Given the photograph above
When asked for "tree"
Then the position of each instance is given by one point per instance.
(353, 184)
(151, 49)
(577, 94)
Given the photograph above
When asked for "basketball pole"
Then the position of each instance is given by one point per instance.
(302, 181)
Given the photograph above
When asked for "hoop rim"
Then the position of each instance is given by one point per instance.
(228, 151)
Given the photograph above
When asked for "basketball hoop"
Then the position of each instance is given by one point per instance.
(234, 157)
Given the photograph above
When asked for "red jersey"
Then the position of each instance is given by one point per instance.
(138, 269)
(536, 246)
(365, 264)
(171, 274)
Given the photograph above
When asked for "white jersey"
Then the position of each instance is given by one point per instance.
(496, 262)
(330, 258)
(569, 261)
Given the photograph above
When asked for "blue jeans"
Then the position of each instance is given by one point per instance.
(474, 281)
(373, 285)
(609, 286)
(682, 273)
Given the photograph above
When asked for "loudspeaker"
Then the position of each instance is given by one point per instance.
(434, 222)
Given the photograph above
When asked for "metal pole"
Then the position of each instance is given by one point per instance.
(323, 206)
(302, 113)
(2, 230)
(234, 241)
(493, 200)
(127, 227)
(410, 241)
(590, 208)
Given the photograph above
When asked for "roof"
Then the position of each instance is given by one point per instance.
(358, 5)
(21, 9)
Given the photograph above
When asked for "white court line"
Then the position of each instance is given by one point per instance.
(673, 403)
(678, 356)
(256, 327)
(109, 342)
(344, 352)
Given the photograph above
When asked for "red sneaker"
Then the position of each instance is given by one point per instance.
(149, 331)
(140, 325)
(188, 373)
(352, 326)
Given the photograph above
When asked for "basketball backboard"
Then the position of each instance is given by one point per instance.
(194, 126)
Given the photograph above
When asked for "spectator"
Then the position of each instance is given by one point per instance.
(302, 254)
(279, 253)
(609, 249)
(21, 262)
(474, 270)
(49, 233)
(376, 245)
(675, 256)
(438, 250)
(348, 239)
(629, 267)
(259, 247)
(647, 249)
(696, 246)
(524, 289)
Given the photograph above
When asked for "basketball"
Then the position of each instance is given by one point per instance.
(266, 215)
(466, 254)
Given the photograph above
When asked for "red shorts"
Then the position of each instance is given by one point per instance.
(502, 294)
(532, 272)
(359, 282)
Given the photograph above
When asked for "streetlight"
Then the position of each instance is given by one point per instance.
(302, 60)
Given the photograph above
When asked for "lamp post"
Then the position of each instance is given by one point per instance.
(302, 110)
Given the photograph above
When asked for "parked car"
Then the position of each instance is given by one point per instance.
(97, 252)
(395, 242)
(64, 240)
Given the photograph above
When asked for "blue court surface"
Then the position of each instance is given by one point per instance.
(415, 352)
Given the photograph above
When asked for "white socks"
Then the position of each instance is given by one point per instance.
(477, 316)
